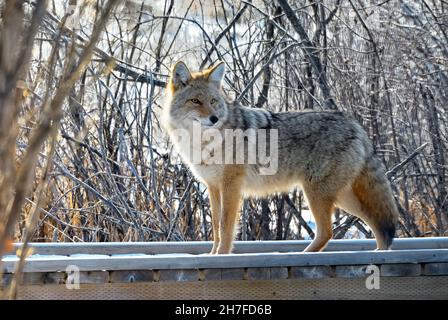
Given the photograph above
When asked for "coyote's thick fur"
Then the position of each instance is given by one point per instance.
(327, 154)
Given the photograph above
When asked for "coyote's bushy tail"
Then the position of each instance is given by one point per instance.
(373, 190)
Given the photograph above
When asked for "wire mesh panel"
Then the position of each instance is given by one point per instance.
(326, 288)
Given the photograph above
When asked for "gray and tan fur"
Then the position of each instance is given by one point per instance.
(327, 154)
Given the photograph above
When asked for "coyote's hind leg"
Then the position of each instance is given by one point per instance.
(322, 208)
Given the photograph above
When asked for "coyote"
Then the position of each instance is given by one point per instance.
(325, 153)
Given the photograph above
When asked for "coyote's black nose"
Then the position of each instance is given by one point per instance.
(213, 119)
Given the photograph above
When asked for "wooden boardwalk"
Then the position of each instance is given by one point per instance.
(414, 268)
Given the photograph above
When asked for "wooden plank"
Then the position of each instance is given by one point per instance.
(315, 272)
(231, 261)
(130, 276)
(258, 274)
(93, 277)
(400, 270)
(44, 278)
(232, 274)
(179, 275)
(54, 277)
(279, 273)
(5, 280)
(34, 278)
(37, 278)
(432, 269)
(201, 247)
(356, 271)
(209, 274)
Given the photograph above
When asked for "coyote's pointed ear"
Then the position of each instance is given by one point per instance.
(216, 74)
(180, 75)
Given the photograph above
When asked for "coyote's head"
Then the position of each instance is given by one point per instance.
(196, 97)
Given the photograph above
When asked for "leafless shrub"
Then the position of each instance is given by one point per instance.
(112, 175)
(31, 109)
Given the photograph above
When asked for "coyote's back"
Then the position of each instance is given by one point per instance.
(327, 154)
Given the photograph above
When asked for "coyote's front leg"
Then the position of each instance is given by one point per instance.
(230, 205)
(215, 206)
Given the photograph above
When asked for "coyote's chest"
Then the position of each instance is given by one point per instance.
(208, 173)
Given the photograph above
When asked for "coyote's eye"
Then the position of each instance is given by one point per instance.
(195, 101)
(213, 101)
